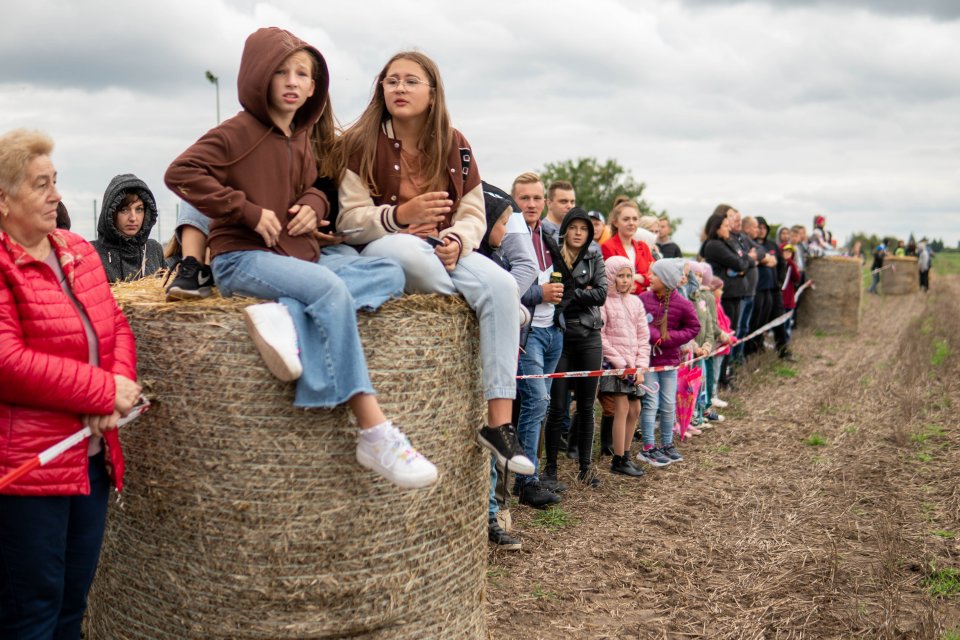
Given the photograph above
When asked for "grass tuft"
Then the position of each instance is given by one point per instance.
(553, 518)
(785, 372)
(944, 583)
(941, 351)
(943, 533)
(815, 440)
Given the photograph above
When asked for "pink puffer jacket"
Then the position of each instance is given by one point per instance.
(625, 335)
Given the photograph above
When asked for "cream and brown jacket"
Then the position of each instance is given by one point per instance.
(376, 214)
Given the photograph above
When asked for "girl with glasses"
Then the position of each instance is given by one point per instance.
(412, 185)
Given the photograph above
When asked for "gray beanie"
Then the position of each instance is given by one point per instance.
(670, 271)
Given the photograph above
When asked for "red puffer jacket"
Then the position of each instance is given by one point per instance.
(46, 384)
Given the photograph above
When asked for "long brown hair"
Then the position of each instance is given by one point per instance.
(435, 139)
(328, 145)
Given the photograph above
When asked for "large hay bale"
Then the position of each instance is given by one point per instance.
(901, 277)
(243, 517)
(832, 303)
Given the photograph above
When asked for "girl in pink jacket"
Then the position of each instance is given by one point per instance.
(626, 344)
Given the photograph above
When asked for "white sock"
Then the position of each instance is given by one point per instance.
(376, 432)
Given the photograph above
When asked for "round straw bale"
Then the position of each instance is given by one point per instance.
(243, 517)
(901, 277)
(832, 302)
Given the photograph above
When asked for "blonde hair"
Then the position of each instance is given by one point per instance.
(621, 203)
(17, 149)
(566, 253)
(434, 142)
(527, 177)
(650, 223)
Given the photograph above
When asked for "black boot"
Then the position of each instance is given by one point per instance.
(606, 436)
(589, 478)
(623, 466)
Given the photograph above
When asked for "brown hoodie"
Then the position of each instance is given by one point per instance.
(247, 164)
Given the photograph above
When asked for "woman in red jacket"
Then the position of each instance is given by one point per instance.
(67, 359)
(624, 220)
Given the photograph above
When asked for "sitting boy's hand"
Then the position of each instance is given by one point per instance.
(304, 220)
(269, 227)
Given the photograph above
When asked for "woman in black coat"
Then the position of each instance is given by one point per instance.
(584, 292)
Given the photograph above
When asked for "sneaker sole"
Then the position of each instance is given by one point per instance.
(522, 469)
(280, 368)
(652, 463)
(176, 293)
(507, 547)
(407, 482)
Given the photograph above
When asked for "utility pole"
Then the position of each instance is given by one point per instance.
(215, 81)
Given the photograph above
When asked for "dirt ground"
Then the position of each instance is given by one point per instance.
(827, 505)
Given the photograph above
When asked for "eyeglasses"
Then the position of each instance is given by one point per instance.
(410, 83)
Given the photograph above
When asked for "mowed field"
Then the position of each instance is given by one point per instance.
(827, 505)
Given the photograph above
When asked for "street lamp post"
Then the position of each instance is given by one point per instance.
(215, 81)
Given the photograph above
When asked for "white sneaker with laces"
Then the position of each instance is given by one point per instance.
(393, 457)
(719, 404)
(275, 336)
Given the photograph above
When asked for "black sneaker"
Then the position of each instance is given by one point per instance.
(500, 538)
(672, 453)
(573, 453)
(623, 466)
(653, 457)
(534, 494)
(193, 281)
(550, 482)
(589, 478)
(502, 441)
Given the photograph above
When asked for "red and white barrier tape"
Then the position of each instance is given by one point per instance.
(635, 370)
(67, 443)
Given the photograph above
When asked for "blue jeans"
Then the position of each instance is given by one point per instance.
(743, 326)
(665, 401)
(323, 299)
(49, 549)
(488, 289)
(874, 282)
(188, 216)
(541, 353)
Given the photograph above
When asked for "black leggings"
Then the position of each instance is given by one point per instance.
(579, 354)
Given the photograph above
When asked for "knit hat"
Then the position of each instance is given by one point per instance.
(495, 202)
(670, 271)
(715, 283)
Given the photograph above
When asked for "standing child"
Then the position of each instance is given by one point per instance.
(253, 175)
(674, 323)
(790, 284)
(412, 184)
(626, 344)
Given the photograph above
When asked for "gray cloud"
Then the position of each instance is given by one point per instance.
(784, 112)
(937, 9)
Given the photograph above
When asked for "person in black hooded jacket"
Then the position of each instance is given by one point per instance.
(127, 217)
(584, 292)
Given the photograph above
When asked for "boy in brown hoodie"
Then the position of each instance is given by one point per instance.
(253, 176)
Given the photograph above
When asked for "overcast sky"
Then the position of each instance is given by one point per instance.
(782, 108)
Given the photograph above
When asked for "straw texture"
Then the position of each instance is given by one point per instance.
(243, 517)
(832, 304)
(902, 278)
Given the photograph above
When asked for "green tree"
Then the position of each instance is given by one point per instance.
(597, 185)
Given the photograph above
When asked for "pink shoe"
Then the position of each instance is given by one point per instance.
(693, 431)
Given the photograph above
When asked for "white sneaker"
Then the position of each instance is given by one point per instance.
(719, 404)
(275, 336)
(394, 458)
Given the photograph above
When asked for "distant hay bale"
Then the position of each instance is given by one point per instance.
(902, 277)
(832, 303)
(243, 517)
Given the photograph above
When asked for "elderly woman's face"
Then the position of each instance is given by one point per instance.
(34, 207)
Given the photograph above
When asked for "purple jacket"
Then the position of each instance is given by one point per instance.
(682, 327)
